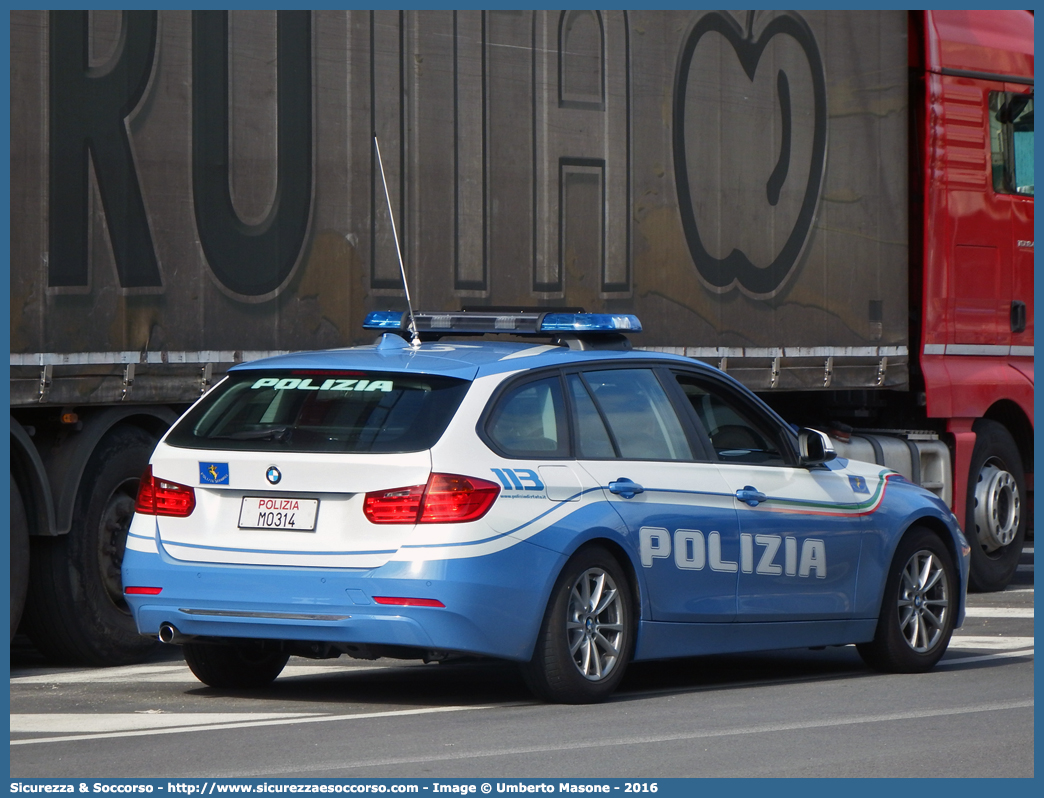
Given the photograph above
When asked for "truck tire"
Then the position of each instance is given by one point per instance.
(75, 612)
(995, 519)
(19, 555)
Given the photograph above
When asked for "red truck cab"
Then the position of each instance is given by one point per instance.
(973, 145)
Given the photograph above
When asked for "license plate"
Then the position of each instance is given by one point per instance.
(296, 515)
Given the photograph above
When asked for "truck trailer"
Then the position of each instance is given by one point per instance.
(835, 207)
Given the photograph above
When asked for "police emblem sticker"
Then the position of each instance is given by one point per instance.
(213, 473)
(858, 485)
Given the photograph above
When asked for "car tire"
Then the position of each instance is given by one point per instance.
(244, 666)
(586, 636)
(19, 556)
(919, 607)
(995, 519)
(75, 612)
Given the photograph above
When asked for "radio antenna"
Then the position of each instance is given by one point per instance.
(415, 340)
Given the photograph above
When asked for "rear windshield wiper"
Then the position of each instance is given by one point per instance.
(280, 434)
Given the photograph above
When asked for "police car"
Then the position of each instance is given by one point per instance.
(568, 503)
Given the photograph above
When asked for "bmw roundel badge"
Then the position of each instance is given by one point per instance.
(273, 475)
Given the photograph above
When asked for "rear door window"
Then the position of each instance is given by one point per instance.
(592, 438)
(322, 411)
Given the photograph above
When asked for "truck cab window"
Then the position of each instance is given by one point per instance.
(1011, 142)
(1022, 149)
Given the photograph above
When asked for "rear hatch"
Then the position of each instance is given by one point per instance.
(278, 464)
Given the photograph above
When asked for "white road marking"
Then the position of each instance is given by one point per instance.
(44, 723)
(169, 674)
(1000, 612)
(291, 671)
(993, 643)
(251, 724)
(1025, 652)
(1025, 568)
(128, 673)
(759, 729)
(768, 728)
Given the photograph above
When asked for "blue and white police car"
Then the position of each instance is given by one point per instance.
(568, 503)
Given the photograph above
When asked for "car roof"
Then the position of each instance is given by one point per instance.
(463, 359)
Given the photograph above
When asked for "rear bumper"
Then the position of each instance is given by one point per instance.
(494, 604)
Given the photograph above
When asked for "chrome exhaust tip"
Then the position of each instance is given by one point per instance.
(168, 633)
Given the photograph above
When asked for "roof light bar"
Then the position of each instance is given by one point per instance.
(508, 322)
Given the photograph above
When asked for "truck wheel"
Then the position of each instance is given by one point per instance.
(919, 607)
(586, 637)
(19, 556)
(235, 667)
(75, 611)
(995, 523)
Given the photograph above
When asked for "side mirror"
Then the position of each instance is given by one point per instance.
(814, 447)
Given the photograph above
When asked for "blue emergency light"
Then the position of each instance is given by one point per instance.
(514, 322)
(384, 320)
(590, 322)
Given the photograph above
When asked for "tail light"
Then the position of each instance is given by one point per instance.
(161, 497)
(399, 506)
(451, 499)
(445, 499)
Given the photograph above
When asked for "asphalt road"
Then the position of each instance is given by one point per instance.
(789, 713)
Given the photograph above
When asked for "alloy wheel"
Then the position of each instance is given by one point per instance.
(594, 625)
(924, 601)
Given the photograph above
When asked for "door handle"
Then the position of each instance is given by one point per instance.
(750, 495)
(1018, 316)
(626, 488)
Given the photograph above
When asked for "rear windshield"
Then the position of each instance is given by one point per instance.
(322, 411)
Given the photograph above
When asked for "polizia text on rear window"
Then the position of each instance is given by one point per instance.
(322, 411)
